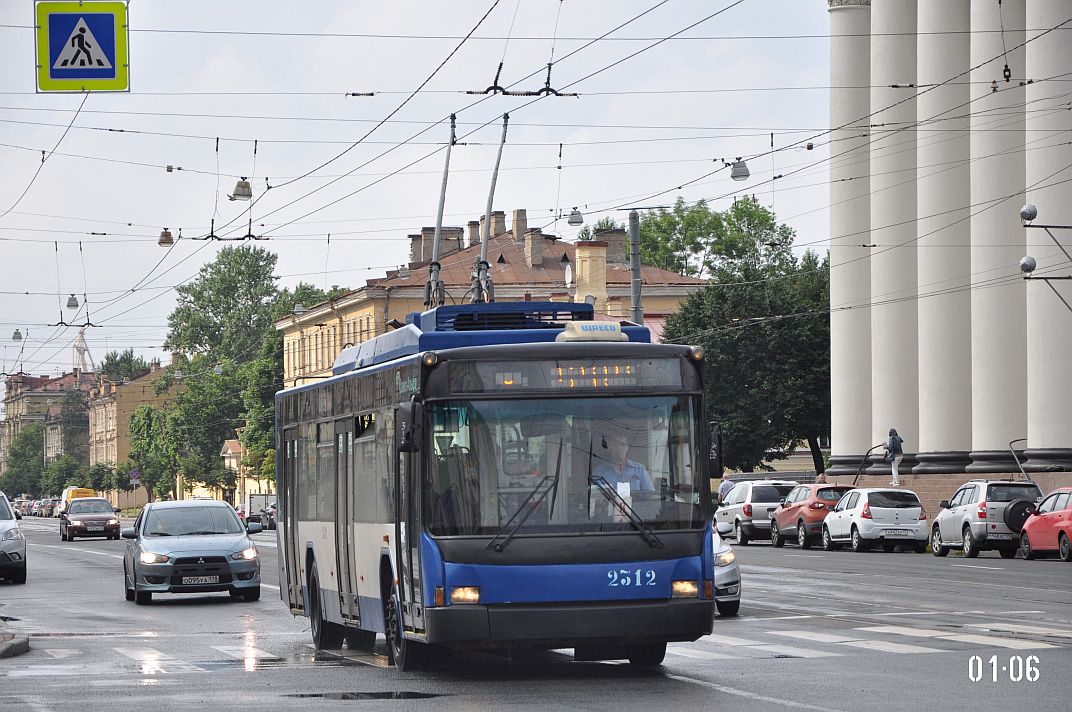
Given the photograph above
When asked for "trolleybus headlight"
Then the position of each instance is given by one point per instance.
(696, 353)
(429, 358)
(685, 589)
(148, 557)
(247, 554)
(465, 594)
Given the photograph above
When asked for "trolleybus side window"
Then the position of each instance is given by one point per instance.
(325, 472)
(306, 462)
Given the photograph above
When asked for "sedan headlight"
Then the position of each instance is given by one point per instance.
(113, 521)
(147, 557)
(11, 534)
(246, 554)
(725, 558)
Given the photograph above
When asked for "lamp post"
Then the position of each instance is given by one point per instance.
(1028, 213)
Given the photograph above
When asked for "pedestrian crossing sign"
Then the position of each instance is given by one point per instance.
(82, 46)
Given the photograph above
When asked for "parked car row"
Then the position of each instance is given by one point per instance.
(1001, 515)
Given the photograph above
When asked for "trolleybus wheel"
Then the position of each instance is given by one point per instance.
(405, 655)
(648, 654)
(326, 635)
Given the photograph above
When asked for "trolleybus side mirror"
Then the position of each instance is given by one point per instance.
(411, 429)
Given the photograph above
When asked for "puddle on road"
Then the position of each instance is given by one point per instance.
(394, 695)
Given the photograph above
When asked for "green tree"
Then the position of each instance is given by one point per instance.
(25, 462)
(226, 312)
(151, 452)
(101, 477)
(590, 232)
(693, 239)
(117, 366)
(74, 426)
(64, 471)
(764, 324)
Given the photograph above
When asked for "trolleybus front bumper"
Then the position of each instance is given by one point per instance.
(570, 624)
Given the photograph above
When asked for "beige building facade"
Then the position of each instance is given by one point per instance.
(27, 400)
(526, 265)
(110, 408)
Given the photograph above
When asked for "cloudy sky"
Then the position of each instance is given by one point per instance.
(652, 115)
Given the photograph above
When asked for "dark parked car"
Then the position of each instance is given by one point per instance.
(190, 546)
(89, 516)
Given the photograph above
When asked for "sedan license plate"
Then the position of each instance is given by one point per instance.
(1005, 537)
(898, 532)
(95, 528)
(200, 579)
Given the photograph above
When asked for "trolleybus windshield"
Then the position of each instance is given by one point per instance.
(489, 458)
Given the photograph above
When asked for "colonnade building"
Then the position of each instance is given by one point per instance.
(950, 115)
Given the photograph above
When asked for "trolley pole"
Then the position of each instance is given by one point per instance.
(637, 314)
(433, 291)
(483, 289)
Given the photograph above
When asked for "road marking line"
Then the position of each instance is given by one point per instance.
(794, 652)
(241, 652)
(814, 636)
(906, 630)
(1017, 628)
(804, 556)
(974, 566)
(71, 550)
(152, 661)
(697, 654)
(1000, 642)
(888, 647)
(268, 585)
(752, 695)
(728, 640)
(60, 653)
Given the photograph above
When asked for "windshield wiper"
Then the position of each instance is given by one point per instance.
(534, 499)
(202, 532)
(635, 519)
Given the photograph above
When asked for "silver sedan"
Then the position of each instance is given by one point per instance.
(192, 546)
(727, 578)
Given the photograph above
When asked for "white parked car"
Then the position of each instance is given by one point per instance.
(12, 543)
(877, 515)
(747, 509)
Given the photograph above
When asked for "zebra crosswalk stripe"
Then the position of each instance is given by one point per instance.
(152, 661)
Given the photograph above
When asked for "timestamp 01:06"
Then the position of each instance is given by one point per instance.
(1015, 668)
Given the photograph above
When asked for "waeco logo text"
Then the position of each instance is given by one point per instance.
(599, 327)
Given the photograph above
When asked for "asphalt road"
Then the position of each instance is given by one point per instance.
(818, 631)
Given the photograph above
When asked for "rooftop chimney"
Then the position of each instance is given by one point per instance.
(473, 230)
(534, 244)
(520, 224)
(498, 223)
(591, 273)
(415, 248)
(616, 241)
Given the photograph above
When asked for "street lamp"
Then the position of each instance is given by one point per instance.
(166, 240)
(72, 302)
(17, 336)
(575, 218)
(1028, 264)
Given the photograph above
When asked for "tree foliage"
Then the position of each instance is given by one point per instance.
(226, 312)
(25, 462)
(64, 471)
(74, 426)
(590, 232)
(117, 366)
(763, 322)
(151, 453)
(694, 240)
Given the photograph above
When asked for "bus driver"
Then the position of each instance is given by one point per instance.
(615, 465)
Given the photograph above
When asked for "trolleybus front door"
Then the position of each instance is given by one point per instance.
(407, 538)
(289, 504)
(344, 520)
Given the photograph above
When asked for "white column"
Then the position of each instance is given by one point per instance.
(998, 333)
(944, 258)
(1049, 319)
(894, 358)
(850, 210)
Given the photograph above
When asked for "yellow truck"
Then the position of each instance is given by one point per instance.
(70, 493)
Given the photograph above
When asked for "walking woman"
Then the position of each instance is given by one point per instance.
(894, 455)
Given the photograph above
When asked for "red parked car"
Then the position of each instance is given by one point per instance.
(800, 515)
(1049, 528)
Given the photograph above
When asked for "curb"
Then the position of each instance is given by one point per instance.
(12, 645)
